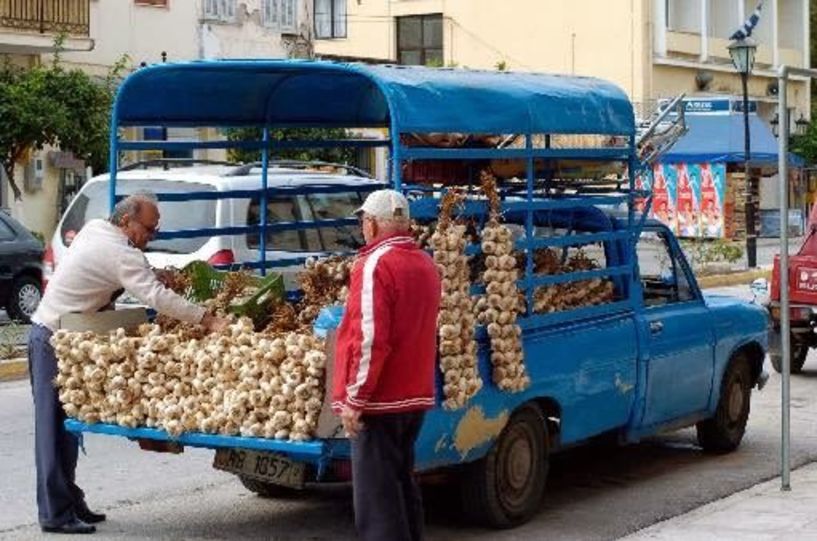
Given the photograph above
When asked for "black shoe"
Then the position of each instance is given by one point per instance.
(70, 527)
(89, 517)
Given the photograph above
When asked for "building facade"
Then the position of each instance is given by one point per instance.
(99, 33)
(652, 49)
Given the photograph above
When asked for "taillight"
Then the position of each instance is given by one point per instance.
(48, 265)
(222, 257)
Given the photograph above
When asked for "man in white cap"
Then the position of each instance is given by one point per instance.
(384, 368)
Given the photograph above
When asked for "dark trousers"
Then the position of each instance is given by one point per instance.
(55, 449)
(388, 503)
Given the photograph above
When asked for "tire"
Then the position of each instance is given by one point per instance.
(799, 352)
(723, 432)
(268, 490)
(24, 297)
(506, 487)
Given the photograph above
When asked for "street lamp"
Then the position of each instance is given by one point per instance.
(742, 52)
(800, 126)
(775, 123)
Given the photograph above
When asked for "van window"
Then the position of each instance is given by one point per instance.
(307, 208)
(92, 203)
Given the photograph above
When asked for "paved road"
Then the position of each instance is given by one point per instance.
(596, 493)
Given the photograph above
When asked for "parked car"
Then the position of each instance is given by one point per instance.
(92, 202)
(21, 270)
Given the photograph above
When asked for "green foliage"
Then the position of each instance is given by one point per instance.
(502, 65)
(50, 105)
(343, 155)
(703, 252)
(806, 145)
(39, 236)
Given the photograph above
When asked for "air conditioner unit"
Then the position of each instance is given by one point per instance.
(34, 174)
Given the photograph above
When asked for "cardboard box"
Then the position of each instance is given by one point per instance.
(103, 322)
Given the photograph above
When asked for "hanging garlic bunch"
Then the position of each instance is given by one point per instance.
(324, 282)
(422, 234)
(500, 305)
(456, 321)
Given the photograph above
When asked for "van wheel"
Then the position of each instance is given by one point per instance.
(268, 490)
(505, 488)
(723, 432)
(799, 352)
(24, 298)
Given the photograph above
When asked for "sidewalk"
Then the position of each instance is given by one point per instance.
(762, 512)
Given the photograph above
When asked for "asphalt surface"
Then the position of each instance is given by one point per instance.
(600, 492)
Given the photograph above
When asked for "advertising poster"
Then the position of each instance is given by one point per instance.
(687, 182)
(664, 195)
(643, 182)
(713, 194)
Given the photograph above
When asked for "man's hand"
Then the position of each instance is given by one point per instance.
(164, 276)
(213, 323)
(351, 421)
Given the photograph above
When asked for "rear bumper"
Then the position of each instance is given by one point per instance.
(318, 452)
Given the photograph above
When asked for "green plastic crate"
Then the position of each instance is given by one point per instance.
(205, 281)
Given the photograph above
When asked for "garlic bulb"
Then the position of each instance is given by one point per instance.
(237, 382)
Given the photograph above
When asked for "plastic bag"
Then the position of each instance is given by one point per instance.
(328, 319)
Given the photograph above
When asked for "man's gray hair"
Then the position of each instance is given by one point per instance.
(131, 205)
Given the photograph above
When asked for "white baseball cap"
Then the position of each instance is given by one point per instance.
(385, 204)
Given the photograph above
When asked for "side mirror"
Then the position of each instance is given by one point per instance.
(760, 286)
(760, 291)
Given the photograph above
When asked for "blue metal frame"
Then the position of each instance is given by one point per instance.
(583, 106)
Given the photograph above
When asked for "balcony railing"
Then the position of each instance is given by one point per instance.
(70, 17)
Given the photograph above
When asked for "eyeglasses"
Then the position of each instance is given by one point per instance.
(151, 231)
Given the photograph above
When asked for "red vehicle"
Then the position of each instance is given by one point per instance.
(802, 299)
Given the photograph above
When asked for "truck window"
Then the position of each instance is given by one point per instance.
(663, 280)
(283, 209)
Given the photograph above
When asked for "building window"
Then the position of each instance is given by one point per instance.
(280, 14)
(420, 40)
(219, 10)
(330, 19)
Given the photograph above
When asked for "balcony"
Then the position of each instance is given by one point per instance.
(31, 26)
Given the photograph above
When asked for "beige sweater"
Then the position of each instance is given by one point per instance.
(99, 262)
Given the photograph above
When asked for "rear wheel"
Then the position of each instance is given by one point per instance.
(724, 431)
(799, 352)
(506, 487)
(24, 298)
(268, 490)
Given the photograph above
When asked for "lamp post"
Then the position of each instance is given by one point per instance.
(743, 57)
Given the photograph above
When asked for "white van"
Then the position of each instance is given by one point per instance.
(92, 202)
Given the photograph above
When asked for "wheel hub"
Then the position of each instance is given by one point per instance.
(519, 464)
(29, 299)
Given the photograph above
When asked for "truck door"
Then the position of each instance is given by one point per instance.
(679, 331)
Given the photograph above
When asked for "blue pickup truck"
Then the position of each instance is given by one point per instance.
(656, 355)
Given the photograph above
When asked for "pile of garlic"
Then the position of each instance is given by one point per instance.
(499, 307)
(456, 321)
(569, 295)
(324, 282)
(235, 382)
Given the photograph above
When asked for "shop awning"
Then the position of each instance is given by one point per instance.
(719, 138)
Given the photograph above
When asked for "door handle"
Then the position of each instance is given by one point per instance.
(656, 327)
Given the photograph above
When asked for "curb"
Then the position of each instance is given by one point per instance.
(733, 278)
(13, 369)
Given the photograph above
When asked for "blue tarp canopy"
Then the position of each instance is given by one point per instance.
(294, 93)
(719, 138)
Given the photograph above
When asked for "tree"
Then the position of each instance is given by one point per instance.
(344, 155)
(49, 105)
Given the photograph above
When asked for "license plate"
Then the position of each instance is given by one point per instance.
(267, 467)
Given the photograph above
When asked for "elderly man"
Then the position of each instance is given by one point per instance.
(104, 258)
(384, 368)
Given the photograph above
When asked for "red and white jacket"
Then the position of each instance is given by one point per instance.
(386, 350)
